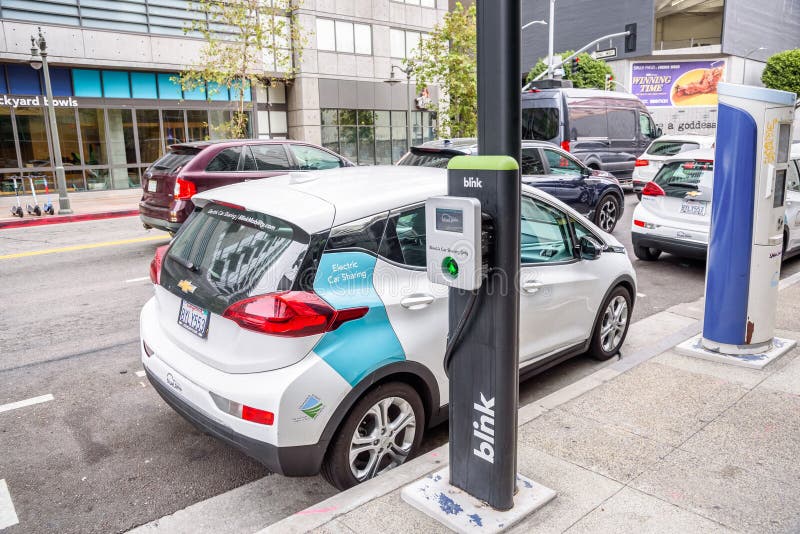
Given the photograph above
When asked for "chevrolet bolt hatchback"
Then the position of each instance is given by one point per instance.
(293, 317)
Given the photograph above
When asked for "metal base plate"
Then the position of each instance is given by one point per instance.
(462, 512)
(694, 347)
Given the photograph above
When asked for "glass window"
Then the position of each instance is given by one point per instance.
(23, 80)
(793, 178)
(93, 135)
(174, 131)
(61, 81)
(326, 37)
(428, 3)
(270, 157)
(344, 36)
(167, 88)
(143, 85)
(75, 181)
(621, 124)
(679, 177)
(330, 138)
(587, 122)
(347, 117)
(149, 133)
(362, 234)
(581, 230)
(68, 136)
(87, 83)
(225, 161)
(121, 147)
(116, 84)
(670, 148)
(539, 124)
(347, 142)
(383, 145)
(560, 164)
(33, 146)
(329, 117)
(531, 161)
(544, 233)
(197, 121)
(646, 126)
(404, 241)
(218, 123)
(8, 151)
(310, 158)
(366, 118)
(249, 163)
(412, 43)
(366, 145)
(363, 38)
(397, 40)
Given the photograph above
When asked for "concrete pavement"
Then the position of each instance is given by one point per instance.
(654, 442)
(86, 206)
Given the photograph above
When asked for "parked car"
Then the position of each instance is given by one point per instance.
(662, 149)
(293, 317)
(189, 168)
(606, 130)
(595, 194)
(675, 212)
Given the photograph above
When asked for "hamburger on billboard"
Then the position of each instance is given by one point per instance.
(677, 83)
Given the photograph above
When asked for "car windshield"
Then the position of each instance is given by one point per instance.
(679, 177)
(670, 148)
(422, 158)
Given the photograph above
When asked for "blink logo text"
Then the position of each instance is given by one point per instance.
(473, 182)
(484, 429)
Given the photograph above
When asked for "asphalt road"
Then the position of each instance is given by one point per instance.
(106, 454)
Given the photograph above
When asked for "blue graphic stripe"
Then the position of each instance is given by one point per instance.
(355, 349)
(729, 245)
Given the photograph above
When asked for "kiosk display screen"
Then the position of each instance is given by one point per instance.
(783, 144)
(448, 220)
(780, 188)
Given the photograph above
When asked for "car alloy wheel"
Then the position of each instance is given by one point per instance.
(615, 319)
(607, 214)
(383, 438)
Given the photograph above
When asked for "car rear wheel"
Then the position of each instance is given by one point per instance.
(381, 432)
(646, 253)
(607, 213)
(612, 325)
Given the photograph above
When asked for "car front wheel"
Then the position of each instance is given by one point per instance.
(612, 325)
(607, 213)
(381, 432)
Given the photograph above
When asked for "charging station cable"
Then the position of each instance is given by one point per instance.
(455, 339)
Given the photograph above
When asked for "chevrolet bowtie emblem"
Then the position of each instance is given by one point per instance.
(693, 193)
(186, 286)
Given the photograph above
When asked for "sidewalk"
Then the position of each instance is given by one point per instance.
(85, 206)
(655, 442)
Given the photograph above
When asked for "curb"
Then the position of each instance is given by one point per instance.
(56, 219)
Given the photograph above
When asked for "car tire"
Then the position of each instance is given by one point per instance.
(382, 446)
(646, 253)
(611, 326)
(606, 214)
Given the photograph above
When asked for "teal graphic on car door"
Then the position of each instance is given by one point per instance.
(355, 349)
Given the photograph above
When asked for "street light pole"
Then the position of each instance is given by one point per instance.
(550, 37)
(39, 60)
(746, 56)
(410, 109)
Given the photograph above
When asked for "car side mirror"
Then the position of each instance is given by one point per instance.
(659, 133)
(590, 248)
(586, 172)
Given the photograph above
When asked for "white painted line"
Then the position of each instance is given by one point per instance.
(640, 295)
(140, 374)
(8, 516)
(142, 279)
(26, 402)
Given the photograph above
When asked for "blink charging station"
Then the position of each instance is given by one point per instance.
(754, 135)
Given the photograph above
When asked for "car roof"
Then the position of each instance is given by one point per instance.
(228, 142)
(695, 138)
(579, 92)
(469, 145)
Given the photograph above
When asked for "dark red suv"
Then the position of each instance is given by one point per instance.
(190, 168)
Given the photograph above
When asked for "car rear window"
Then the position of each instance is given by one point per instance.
(670, 148)
(540, 124)
(230, 254)
(421, 158)
(175, 158)
(679, 177)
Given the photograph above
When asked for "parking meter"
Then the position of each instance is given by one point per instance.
(747, 218)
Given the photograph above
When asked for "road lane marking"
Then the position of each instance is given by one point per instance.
(142, 279)
(140, 374)
(86, 246)
(640, 295)
(8, 516)
(26, 402)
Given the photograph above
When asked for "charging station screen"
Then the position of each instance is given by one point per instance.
(783, 144)
(780, 188)
(449, 220)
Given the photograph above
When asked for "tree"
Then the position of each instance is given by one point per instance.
(783, 71)
(590, 72)
(241, 35)
(448, 58)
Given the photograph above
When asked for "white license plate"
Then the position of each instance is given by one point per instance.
(152, 185)
(193, 318)
(693, 207)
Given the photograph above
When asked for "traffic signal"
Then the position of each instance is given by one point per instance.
(630, 39)
(573, 66)
(609, 85)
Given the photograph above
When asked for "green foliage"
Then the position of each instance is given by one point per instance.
(783, 71)
(590, 72)
(242, 39)
(448, 58)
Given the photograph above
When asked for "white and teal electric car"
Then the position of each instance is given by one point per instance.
(293, 317)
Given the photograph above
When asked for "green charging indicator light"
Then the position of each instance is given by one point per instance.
(450, 267)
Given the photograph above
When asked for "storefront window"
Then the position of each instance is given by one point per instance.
(399, 135)
(122, 148)
(33, 146)
(174, 128)
(149, 135)
(197, 121)
(93, 135)
(383, 138)
(68, 136)
(218, 123)
(75, 182)
(8, 150)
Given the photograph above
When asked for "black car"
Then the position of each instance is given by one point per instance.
(593, 193)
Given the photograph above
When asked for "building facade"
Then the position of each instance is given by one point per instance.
(114, 64)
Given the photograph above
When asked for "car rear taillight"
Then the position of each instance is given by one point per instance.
(290, 314)
(565, 145)
(652, 189)
(156, 262)
(257, 416)
(642, 163)
(184, 189)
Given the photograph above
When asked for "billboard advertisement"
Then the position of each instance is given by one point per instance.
(677, 83)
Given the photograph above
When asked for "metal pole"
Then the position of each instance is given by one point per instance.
(550, 37)
(61, 180)
(410, 110)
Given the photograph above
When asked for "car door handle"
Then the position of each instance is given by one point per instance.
(417, 301)
(531, 286)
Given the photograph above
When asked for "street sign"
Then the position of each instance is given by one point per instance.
(604, 54)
